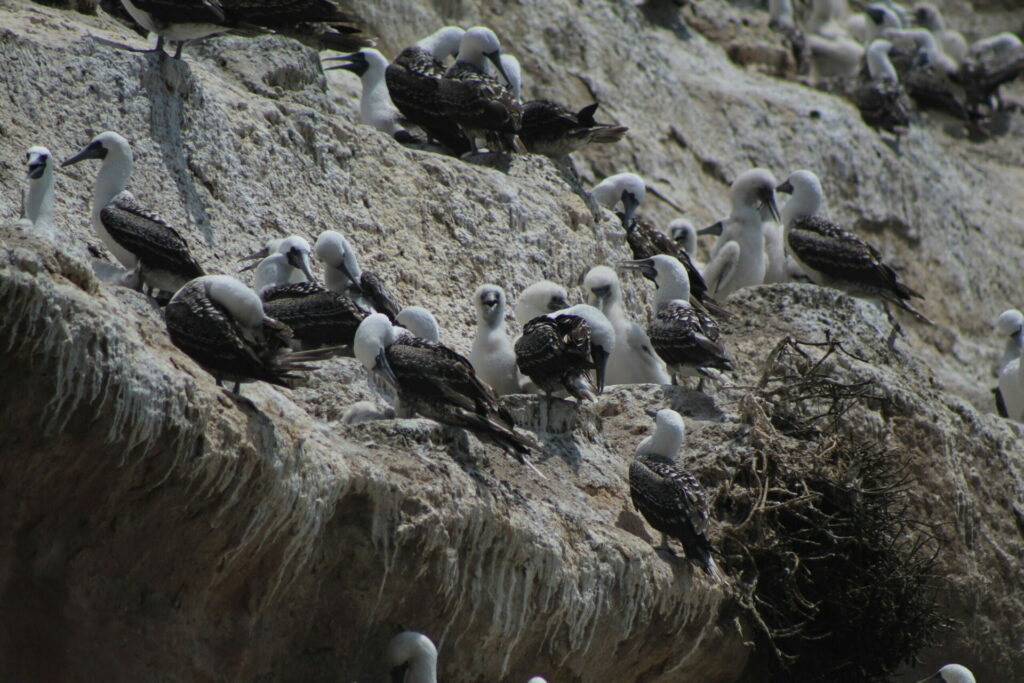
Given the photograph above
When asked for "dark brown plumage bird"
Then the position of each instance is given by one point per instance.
(553, 130)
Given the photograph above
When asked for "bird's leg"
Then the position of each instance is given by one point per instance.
(238, 388)
(665, 546)
(548, 401)
(896, 328)
(675, 380)
(159, 44)
(700, 384)
(220, 383)
(177, 53)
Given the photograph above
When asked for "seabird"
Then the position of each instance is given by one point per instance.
(344, 276)
(834, 257)
(953, 43)
(38, 207)
(840, 58)
(413, 79)
(882, 102)
(290, 294)
(319, 23)
(670, 498)
(951, 673)
(511, 74)
(540, 298)
(433, 381)
(375, 106)
(492, 355)
(643, 238)
(420, 322)
(991, 63)
(139, 239)
(412, 658)
(478, 102)
(632, 360)
(1009, 326)
(555, 131)
(558, 350)
(741, 261)
(222, 325)
(880, 18)
(684, 234)
(685, 337)
(929, 76)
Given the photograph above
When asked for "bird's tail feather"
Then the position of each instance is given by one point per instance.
(920, 317)
(607, 133)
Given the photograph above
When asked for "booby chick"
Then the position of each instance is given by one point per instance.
(684, 233)
(643, 238)
(840, 58)
(420, 322)
(951, 673)
(685, 337)
(741, 261)
(38, 206)
(882, 102)
(318, 23)
(375, 106)
(139, 239)
(832, 256)
(1010, 327)
(558, 350)
(670, 498)
(476, 101)
(540, 298)
(991, 63)
(880, 18)
(433, 381)
(492, 354)
(555, 131)
(344, 276)
(317, 316)
(412, 658)
(930, 77)
(953, 43)
(632, 360)
(222, 325)
(413, 79)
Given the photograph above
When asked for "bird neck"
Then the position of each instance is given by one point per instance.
(491, 323)
(375, 97)
(273, 271)
(672, 286)
(804, 202)
(112, 178)
(879, 65)
(664, 443)
(39, 206)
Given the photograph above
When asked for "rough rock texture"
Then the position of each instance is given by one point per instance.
(156, 527)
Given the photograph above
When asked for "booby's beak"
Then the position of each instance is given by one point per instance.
(495, 58)
(300, 259)
(398, 673)
(651, 412)
(37, 166)
(920, 59)
(490, 299)
(255, 257)
(785, 186)
(629, 206)
(713, 229)
(382, 366)
(343, 267)
(645, 266)
(557, 303)
(94, 150)
(876, 14)
(357, 63)
(768, 202)
(601, 293)
(601, 364)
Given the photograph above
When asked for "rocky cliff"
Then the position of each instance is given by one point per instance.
(157, 527)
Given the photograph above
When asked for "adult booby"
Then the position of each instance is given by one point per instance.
(413, 79)
(38, 206)
(953, 43)
(375, 106)
(741, 261)
(432, 380)
(222, 325)
(930, 76)
(670, 498)
(1010, 327)
(290, 294)
(139, 239)
(320, 23)
(555, 131)
(344, 276)
(481, 105)
(951, 673)
(558, 350)
(882, 102)
(643, 238)
(540, 298)
(632, 360)
(420, 322)
(684, 336)
(991, 63)
(492, 355)
(412, 658)
(832, 256)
